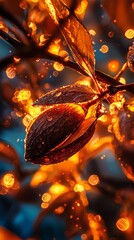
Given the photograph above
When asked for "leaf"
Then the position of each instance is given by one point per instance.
(76, 35)
(9, 153)
(80, 6)
(73, 93)
(51, 128)
(50, 173)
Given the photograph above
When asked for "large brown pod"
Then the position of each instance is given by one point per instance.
(64, 127)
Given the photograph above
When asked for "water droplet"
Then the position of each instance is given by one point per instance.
(49, 118)
(63, 150)
(46, 160)
(111, 34)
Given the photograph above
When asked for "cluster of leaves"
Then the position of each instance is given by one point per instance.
(69, 115)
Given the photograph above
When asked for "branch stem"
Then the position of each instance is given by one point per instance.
(112, 90)
(123, 69)
(39, 52)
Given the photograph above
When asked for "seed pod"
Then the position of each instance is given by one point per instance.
(58, 133)
(52, 127)
(123, 142)
(130, 57)
(69, 94)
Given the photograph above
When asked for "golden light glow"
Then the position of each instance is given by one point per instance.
(122, 80)
(39, 177)
(42, 39)
(84, 236)
(33, 27)
(44, 205)
(58, 66)
(27, 120)
(59, 210)
(5, 234)
(46, 197)
(92, 32)
(74, 158)
(54, 48)
(117, 105)
(11, 72)
(64, 54)
(96, 227)
(113, 65)
(22, 95)
(4, 27)
(90, 216)
(93, 179)
(130, 105)
(123, 224)
(81, 7)
(57, 189)
(104, 49)
(8, 180)
(103, 118)
(129, 33)
(34, 111)
(16, 59)
(79, 188)
(97, 218)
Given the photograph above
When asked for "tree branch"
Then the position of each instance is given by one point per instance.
(40, 52)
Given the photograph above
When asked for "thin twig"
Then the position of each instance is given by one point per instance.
(59, 27)
(124, 67)
(38, 52)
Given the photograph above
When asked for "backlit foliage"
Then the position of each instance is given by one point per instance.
(67, 124)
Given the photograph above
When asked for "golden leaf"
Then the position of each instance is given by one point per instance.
(76, 35)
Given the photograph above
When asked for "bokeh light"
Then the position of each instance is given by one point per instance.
(123, 224)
